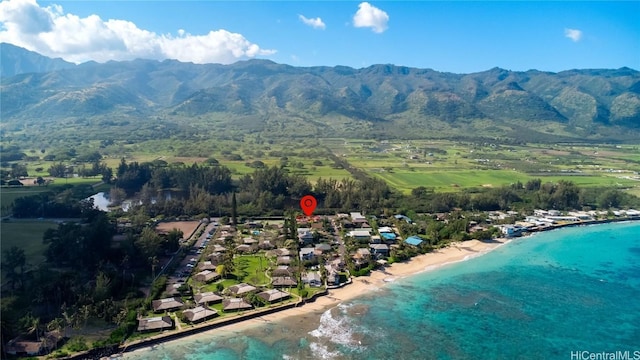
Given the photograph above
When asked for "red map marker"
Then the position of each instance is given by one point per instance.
(308, 203)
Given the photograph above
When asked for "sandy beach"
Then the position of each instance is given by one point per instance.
(361, 285)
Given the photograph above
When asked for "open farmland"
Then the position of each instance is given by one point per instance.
(26, 235)
(447, 165)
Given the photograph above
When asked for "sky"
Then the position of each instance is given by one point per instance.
(451, 36)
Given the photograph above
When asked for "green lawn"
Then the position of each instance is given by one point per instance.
(26, 235)
(8, 195)
(251, 269)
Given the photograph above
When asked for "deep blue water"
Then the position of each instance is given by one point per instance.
(540, 297)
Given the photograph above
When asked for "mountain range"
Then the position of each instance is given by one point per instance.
(379, 100)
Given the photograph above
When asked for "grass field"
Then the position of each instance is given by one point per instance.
(26, 235)
(251, 269)
(450, 166)
(8, 195)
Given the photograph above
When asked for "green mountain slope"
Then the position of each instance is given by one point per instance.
(380, 100)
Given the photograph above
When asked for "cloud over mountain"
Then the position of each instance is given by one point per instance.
(371, 17)
(49, 31)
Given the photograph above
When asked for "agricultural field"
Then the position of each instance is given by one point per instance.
(26, 235)
(448, 166)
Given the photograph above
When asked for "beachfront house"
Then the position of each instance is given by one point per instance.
(284, 281)
(312, 278)
(235, 304)
(379, 250)
(273, 295)
(167, 304)
(414, 240)
(207, 298)
(158, 323)
(198, 314)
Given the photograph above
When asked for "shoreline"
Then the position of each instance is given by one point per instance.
(453, 253)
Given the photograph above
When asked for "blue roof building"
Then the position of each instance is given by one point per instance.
(403, 217)
(388, 236)
(414, 240)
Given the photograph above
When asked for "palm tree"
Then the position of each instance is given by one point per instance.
(34, 326)
(55, 326)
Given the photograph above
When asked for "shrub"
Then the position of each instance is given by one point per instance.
(78, 344)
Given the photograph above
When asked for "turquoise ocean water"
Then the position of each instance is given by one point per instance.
(540, 297)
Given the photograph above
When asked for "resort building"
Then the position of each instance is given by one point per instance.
(167, 304)
(207, 298)
(284, 281)
(273, 295)
(235, 304)
(241, 289)
(157, 323)
(199, 313)
(207, 276)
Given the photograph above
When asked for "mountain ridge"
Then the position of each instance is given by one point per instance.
(585, 102)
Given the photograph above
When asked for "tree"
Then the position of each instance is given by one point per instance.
(40, 181)
(13, 258)
(18, 170)
(234, 209)
(58, 170)
(149, 243)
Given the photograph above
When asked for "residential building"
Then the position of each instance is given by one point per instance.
(157, 323)
(273, 295)
(414, 240)
(312, 278)
(207, 276)
(167, 304)
(235, 304)
(241, 289)
(199, 313)
(207, 298)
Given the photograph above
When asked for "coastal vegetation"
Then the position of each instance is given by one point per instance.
(436, 166)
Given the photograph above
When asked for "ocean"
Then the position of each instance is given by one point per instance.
(554, 295)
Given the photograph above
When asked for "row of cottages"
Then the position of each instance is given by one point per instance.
(202, 312)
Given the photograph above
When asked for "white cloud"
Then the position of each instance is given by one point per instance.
(51, 32)
(574, 34)
(371, 17)
(314, 23)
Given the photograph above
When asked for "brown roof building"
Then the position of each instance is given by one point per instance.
(171, 303)
(207, 298)
(235, 304)
(284, 281)
(207, 276)
(241, 289)
(199, 313)
(273, 295)
(157, 323)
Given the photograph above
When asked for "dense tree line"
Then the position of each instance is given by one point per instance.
(60, 202)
